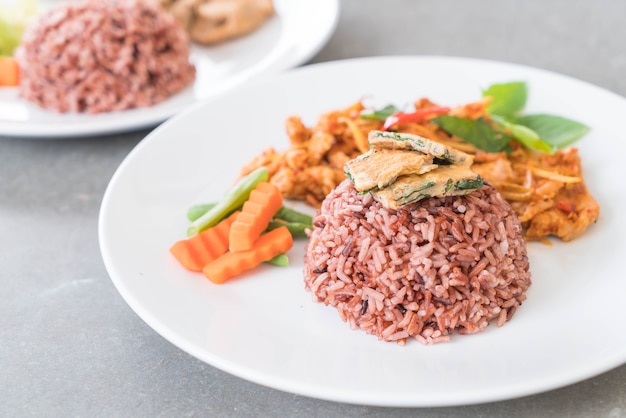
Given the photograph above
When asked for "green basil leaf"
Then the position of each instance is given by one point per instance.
(477, 132)
(470, 184)
(529, 138)
(380, 114)
(557, 131)
(507, 99)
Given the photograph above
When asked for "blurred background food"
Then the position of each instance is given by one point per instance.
(214, 21)
(14, 16)
(103, 55)
(59, 51)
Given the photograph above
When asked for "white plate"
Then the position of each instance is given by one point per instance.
(264, 326)
(292, 37)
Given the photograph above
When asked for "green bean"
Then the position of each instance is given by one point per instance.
(295, 221)
(197, 211)
(233, 199)
(280, 260)
(292, 215)
(297, 229)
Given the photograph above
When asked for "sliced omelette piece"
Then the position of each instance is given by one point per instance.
(446, 180)
(378, 168)
(410, 142)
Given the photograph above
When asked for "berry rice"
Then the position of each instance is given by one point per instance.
(425, 271)
(103, 55)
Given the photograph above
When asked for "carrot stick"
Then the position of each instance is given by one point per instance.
(234, 263)
(257, 212)
(9, 72)
(197, 251)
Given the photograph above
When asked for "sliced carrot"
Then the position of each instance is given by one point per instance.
(257, 212)
(197, 251)
(9, 72)
(233, 263)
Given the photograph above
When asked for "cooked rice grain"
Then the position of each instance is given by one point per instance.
(103, 55)
(424, 271)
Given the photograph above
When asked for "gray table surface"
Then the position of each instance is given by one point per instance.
(70, 346)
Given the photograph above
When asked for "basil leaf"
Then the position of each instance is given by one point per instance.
(477, 132)
(380, 114)
(507, 99)
(557, 131)
(529, 138)
(470, 184)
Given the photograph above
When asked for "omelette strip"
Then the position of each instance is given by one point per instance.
(412, 142)
(395, 174)
(378, 169)
(447, 180)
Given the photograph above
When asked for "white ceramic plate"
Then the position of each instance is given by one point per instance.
(264, 327)
(292, 37)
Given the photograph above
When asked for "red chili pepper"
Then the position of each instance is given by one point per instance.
(417, 116)
(566, 207)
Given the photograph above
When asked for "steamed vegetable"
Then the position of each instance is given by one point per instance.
(287, 214)
(296, 222)
(196, 211)
(281, 260)
(198, 250)
(255, 215)
(9, 72)
(233, 263)
(247, 227)
(297, 229)
(232, 200)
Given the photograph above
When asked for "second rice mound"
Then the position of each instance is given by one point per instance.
(103, 55)
(425, 271)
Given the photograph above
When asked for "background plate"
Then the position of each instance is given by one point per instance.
(292, 37)
(265, 328)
